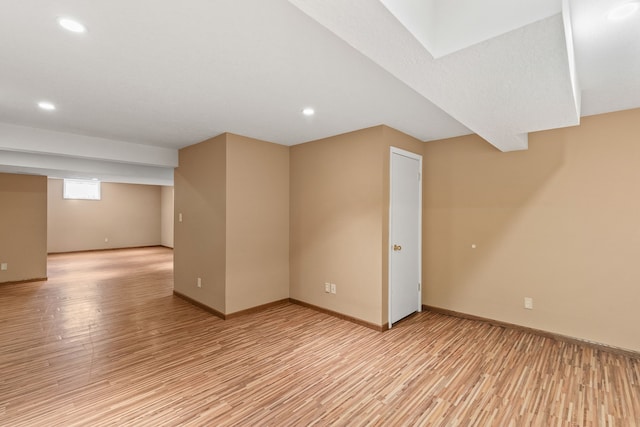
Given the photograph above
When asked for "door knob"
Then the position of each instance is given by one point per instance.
(397, 247)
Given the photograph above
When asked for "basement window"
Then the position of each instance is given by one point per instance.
(81, 189)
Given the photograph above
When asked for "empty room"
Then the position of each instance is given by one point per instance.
(295, 213)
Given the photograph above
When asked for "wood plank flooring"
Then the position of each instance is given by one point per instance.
(104, 342)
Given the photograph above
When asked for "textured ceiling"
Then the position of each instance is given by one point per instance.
(447, 26)
(501, 88)
(150, 77)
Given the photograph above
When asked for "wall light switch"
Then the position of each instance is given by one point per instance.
(199, 282)
(528, 303)
(4, 266)
(179, 217)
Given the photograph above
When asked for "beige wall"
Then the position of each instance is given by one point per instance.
(166, 216)
(23, 227)
(340, 221)
(128, 215)
(200, 239)
(558, 223)
(233, 193)
(257, 238)
(336, 220)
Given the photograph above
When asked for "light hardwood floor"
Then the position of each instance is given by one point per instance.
(104, 342)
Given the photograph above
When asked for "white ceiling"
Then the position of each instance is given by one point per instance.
(446, 26)
(152, 76)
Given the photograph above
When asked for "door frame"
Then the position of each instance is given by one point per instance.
(418, 157)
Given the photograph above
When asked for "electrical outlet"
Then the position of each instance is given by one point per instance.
(4, 266)
(327, 287)
(528, 303)
(106, 239)
(333, 288)
(199, 282)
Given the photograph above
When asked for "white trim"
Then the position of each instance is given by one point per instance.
(409, 154)
(418, 157)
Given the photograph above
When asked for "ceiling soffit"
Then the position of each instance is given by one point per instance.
(500, 88)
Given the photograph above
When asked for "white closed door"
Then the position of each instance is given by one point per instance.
(405, 222)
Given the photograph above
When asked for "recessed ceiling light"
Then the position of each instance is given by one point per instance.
(45, 105)
(623, 11)
(72, 25)
(308, 112)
